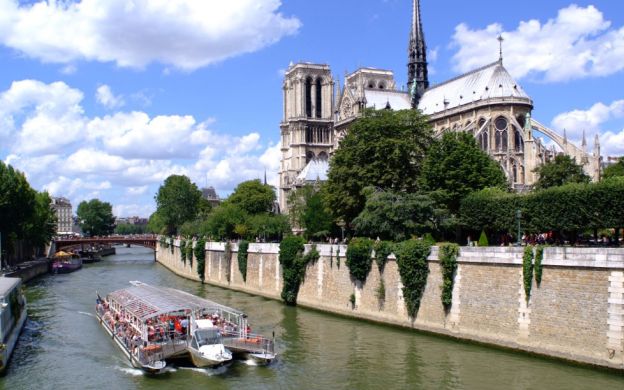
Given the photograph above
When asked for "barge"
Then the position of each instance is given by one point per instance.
(155, 326)
(12, 317)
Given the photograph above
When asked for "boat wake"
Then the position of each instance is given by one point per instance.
(207, 371)
(86, 314)
(131, 371)
(250, 362)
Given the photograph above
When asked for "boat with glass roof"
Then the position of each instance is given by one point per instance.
(157, 325)
(12, 317)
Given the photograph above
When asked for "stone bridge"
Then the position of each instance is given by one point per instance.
(145, 240)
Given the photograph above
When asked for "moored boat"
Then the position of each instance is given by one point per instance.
(66, 265)
(12, 317)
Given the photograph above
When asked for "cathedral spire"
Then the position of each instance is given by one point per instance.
(417, 57)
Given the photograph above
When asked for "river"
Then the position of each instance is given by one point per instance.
(63, 346)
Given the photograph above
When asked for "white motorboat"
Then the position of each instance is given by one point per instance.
(206, 345)
(12, 317)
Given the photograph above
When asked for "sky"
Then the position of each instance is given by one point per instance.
(107, 98)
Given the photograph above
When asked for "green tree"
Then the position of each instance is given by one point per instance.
(383, 149)
(177, 201)
(223, 220)
(252, 197)
(614, 170)
(455, 166)
(156, 224)
(562, 170)
(395, 216)
(17, 201)
(41, 226)
(268, 227)
(308, 211)
(96, 217)
(128, 228)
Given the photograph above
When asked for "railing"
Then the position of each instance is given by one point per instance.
(252, 343)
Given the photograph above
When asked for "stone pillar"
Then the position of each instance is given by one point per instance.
(615, 334)
(524, 311)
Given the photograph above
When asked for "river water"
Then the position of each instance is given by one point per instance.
(64, 347)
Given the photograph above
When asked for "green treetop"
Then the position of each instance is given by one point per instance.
(614, 170)
(559, 171)
(177, 201)
(96, 217)
(252, 197)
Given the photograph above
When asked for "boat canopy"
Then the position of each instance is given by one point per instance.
(144, 301)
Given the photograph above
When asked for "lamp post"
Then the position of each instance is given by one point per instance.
(341, 223)
(518, 216)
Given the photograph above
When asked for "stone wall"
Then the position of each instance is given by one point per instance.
(576, 313)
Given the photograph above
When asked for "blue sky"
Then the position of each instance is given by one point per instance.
(106, 98)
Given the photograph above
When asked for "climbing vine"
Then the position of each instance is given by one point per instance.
(527, 271)
(359, 258)
(539, 256)
(380, 293)
(448, 263)
(227, 255)
(183, 251)
(243, 247)
(172, 246)
(189, 251)
(413, 268)
(293, 267)
(383, 249)
(200, 256)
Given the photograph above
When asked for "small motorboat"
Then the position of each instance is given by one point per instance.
(206, 345)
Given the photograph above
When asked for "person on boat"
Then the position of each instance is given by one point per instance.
(184, 325)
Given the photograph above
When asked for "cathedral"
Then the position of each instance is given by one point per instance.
(486, 102)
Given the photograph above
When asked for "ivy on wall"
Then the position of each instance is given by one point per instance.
(200, 256)
(539, 256)
(413, 268)
(448, 263)
(243, 247)
(183, 251)
(172, 246)
(293, 267)
(527, 271)
(227, 255)
(359, 258)
(383, 249)
(189, 251)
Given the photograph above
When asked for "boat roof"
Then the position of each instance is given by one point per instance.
(145, 301)
(8, 284)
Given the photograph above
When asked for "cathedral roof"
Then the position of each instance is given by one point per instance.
(316, 169)
(490, 81)
(379, 98)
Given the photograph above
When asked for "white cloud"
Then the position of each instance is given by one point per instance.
(134, 209)
(578, 43)
(186, 34)
(592, 121)
(104, 95)
(125, 155)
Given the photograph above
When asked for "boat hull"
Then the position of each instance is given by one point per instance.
(203, 361)
(5, 354)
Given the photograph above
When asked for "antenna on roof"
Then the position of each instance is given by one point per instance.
(500, 44)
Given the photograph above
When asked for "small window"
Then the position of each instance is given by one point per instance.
(501, 123)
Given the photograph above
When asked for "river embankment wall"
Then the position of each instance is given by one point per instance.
(576, 313)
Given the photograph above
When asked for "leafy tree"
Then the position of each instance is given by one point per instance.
(223, 221)
(41, 226)
(268, 227)
(252, 197)
(395, 216)
(177, 201)
(383, 149)
(17, 201)
(455, 166)
(307, 210)
(614, 170)
(96, 217)
(128, 228)
(156, 224)
(562, 170)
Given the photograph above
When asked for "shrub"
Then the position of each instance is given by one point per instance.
(383, 249)
(293, 269)
(183, 251)
(359, 258)
(413, 268)
(527, 271)
(483, 240)
(200, 255)
(539, 256)
(242, 258)
(189, 251)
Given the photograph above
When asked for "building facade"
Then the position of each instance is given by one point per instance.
(64, 220)
(486, 102)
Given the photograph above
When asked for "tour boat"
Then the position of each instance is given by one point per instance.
(66, 265)
(157, 325)
(12, 317)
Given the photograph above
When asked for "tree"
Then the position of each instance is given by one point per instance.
(614, 170)
(156, 224)
(17, 201)
(562, 170)
(252, 197)
(223, 221)
(308, 211)
(177, 201)
(395, 216)
(455, 166)
(42, 225)
(96, 217)
(383, 149)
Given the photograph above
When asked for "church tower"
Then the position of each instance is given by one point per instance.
(307, 126)
(417, 75)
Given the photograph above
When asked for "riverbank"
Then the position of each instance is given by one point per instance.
(576, 313)
(29, 269)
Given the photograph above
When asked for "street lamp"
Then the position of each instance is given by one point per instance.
(342, 224)
(518, 216)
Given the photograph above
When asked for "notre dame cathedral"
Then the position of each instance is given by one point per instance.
(486, 102)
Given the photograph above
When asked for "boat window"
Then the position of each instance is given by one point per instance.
(208, 336)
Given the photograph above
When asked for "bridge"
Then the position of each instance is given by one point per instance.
(145, 240)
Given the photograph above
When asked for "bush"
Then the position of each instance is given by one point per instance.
(189, 251)
(200, 255)
(527, 271)
(539, 256)
(359, 259)
(413, 268)
(242, 259)
(483, 240)
(383, 249)
(293, 267)
(183, 251)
